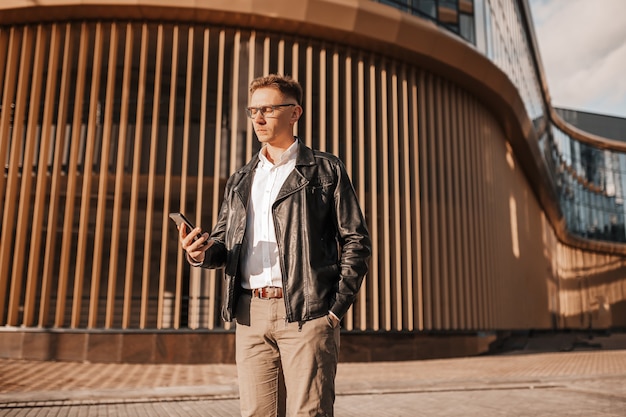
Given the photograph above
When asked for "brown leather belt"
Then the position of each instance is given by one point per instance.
(265, 292)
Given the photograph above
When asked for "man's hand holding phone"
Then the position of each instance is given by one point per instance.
(192, 239)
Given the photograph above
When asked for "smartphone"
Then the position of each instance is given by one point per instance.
(180, 219)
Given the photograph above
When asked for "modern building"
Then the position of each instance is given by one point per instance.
(610, 127)
(489, 213)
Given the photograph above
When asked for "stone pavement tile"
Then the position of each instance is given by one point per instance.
(26, 376)
(577, 383)
(549, 401)
(491, 402)
(480, 370)
(34, 376)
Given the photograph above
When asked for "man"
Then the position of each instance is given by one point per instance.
(295, 247)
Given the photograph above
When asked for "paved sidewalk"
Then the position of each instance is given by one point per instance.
(588, 379)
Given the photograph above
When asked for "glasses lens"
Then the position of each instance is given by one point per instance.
(265, 110)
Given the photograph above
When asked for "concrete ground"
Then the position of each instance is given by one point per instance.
(545, 375)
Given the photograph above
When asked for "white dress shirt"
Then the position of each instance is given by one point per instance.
(260, 263)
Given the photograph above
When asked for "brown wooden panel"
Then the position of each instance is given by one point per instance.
(359, 108)
(425, 208)
(120, 178)
(447, 225)
(81, 261)
(308, 98)
(151, 188)
(11, 41)
(397, 272)
(321, 110)
(15, 91)
(34, 276)
(416, 278)
(101, 209)
(369, 84)
(55, 185)
(23, 221)
(382, 147)
(133, 215)
(165, 317)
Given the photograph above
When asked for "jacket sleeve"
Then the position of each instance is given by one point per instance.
(215, 257)
(355, 242)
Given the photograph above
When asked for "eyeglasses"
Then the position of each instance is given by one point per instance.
(265, 110)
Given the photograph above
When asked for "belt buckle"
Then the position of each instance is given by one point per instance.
(260, 293)
(268, 293)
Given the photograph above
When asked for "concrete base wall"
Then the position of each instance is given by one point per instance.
(204, 347)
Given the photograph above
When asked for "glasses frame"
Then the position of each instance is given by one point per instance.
(265, 110)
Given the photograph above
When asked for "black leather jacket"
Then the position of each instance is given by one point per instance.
(323, 241)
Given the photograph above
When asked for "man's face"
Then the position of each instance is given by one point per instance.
(276, 127)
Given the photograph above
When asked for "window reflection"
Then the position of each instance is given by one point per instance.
(455, 15)
(591, 184)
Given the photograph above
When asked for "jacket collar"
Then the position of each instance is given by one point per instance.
(305, 157)
(297, 179)
(300, 176)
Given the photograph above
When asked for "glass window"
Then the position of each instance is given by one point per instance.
(426, 7)
(466, 26)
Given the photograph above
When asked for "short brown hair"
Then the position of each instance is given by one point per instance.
(284, 83)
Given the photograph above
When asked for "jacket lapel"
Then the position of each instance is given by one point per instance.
(301, 175)
(243, 187)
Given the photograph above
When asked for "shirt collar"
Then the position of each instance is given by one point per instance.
(289, 155)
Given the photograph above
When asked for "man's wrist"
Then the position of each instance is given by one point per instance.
(192, 261)
(333, 317)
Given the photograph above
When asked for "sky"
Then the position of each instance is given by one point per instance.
(582, 44)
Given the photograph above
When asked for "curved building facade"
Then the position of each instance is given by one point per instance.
(488, 213)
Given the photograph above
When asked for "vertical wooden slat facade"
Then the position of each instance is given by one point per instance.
(10, 181)
(49, 278)
(108, 126)
(24, 206)
(39, 205)
(103, 186)
(119, 189)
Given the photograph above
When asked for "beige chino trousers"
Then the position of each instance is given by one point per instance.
(284, 369)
